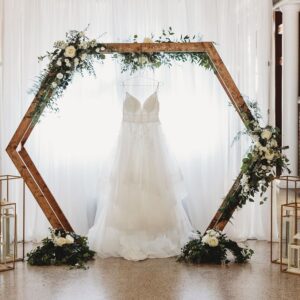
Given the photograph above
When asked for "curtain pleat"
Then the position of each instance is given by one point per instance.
(70, 148)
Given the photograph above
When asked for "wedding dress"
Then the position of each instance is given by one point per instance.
(141, 215)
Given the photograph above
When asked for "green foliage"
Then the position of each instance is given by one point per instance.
(258, 166)
(64, 62)
(198, 251)
(133, 62)
(57, 252)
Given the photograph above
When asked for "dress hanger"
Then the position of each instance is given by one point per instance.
(152, 81)
(140, 79)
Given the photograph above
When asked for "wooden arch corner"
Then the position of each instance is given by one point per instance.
(33, 179)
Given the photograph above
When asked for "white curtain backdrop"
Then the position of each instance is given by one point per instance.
(69, 148)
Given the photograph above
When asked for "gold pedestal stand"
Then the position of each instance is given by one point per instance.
(6, 198)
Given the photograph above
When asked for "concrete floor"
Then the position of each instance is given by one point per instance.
(116, 278)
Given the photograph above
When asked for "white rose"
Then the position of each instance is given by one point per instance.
(269, 156)
(60, 241)
(266, 134)
(205, 239)
(60, 76)
(59, 62)
(273, 143)
(244, 179)
(83, 56)
(54, 85)
(69, 239)
(97, 50)
(211, 232)
(135, 59)
(258, 145)
(102, 48)
(246, 188)
(147, 40)
(143, 60)
(213, 242)
(70, 51)
(264, 149)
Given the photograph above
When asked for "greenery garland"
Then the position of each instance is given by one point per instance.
(133, 62)
(62, 248)
(212, 247)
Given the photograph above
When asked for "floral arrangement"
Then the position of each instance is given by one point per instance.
(259, 167)
(77, 54)
(62, 248)
(212, 247)
(133, 62)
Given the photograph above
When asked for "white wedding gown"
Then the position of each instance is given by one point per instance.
(141, 214)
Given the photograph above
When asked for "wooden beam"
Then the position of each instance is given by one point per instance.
(48, 203)
(35, 190)
(154, 47)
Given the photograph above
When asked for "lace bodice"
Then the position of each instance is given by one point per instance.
(134, 111)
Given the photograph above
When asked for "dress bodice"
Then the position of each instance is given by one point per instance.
(134, 111)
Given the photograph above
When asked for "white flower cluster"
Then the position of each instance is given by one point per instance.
(265, 149)
(59, 77)
(211, 238)
(73, 55)
(60, 241)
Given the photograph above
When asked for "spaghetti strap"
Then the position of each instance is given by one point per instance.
(157, 86)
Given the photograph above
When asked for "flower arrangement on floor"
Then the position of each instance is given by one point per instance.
(62, 248)
(212, 247)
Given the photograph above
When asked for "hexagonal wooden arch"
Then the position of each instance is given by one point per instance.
(33, 179)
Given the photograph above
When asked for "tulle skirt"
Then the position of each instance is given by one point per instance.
(140, 213)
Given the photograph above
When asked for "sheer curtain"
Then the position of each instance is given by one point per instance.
(70, 148)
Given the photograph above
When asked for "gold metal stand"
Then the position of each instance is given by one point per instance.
(8, 235)
(5, 193)
(292, 185)
(293, 258)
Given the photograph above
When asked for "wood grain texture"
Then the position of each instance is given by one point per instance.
(228, 84)
(218, 222)
(33, 178)
(154, 47)
(35, 190)
(50, 202)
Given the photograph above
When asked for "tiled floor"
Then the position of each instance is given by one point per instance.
(117, 278)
